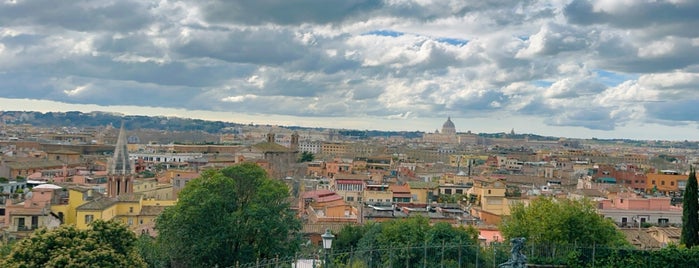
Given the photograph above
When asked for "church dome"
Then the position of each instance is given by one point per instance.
(448, 127)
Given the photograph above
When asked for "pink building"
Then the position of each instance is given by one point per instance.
(628, 210)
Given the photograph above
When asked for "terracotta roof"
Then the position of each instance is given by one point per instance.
(640, 238)
(270, 147)
(328, 198)
(316, 193)
(405, 188)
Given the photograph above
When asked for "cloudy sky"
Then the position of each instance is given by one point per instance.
(598, 68)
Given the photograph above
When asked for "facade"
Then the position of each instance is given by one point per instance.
(350, 190)
(667, 182)
(21, 217)
(629, 210)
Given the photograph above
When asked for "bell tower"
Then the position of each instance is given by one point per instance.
(120, 173)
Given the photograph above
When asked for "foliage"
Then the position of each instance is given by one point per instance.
(306, 157)
(561, 221)
(5, 248)
(147, 174)
(690, 212)
(105, 244)
(151, 252)
(233, 215)
(412, 236)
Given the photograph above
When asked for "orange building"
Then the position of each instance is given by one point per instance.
(667, 182)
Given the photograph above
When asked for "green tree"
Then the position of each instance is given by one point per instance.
(306, 157)
(400, 242)
(561, 221)
(150, 251)
(690, 212)
(236, 214)
(105, 244)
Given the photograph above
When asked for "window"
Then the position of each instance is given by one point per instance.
(130, 209)
(488, 191)
(88, 219)
(653, 182)
(459, 191)
(130, 221)
(447, 191)
(662, 182)
(672, 183)
(350, 198)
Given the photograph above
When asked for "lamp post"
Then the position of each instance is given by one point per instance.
(327, 244)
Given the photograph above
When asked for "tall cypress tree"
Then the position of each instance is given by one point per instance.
(690, 212)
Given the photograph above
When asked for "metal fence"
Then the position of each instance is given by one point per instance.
(443, 256)
(468, 256)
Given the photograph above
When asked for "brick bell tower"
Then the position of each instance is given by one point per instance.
(120, 173)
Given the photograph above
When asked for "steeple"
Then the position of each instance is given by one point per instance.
(120, 175)
(120, 163)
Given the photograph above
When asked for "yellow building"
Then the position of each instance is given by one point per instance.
(130, 209)
(377, 193)
(151, 189)
(491, 200)
(335, 148)
(423, 192)
(77, 196)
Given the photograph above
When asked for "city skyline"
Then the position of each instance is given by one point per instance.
(579, 69)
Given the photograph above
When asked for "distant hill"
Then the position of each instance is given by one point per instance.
(100, 119)
(177, 124)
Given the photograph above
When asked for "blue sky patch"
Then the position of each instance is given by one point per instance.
(390, 33)
(453, 41)
(612, 79)
(542, 83)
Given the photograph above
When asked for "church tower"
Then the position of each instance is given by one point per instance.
(270, 137)
(120, 173)
(294, 141)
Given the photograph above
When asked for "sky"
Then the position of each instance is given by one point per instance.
(579, 69)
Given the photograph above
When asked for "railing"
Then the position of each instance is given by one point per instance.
(455, 255)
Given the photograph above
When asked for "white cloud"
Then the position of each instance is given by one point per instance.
(77, 90)
(596, 65)
(239, 98)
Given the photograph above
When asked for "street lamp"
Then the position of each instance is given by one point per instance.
(327, 244)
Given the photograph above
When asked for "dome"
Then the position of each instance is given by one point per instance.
(448, 127)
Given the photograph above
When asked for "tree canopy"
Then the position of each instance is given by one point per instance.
(105, 244)
(561, 221)
(236, 214)
(407, 240)
(690, 212)
(306, 157)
